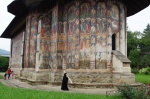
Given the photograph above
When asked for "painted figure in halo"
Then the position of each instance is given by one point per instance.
(46, 46)
(88, 27)
(104, 25)
(93, 29)
(87, 42)
(83, 25)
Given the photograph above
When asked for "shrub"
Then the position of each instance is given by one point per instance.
(130, 92)
(135, 71)
(145, 71)
(142, 70)
(148, 69)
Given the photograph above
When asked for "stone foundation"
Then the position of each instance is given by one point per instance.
(120, 78)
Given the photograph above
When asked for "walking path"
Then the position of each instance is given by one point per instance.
(18, 84)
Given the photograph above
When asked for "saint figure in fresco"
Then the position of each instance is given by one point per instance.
(46, 46)
(92, 40)
(93, 29)
(82, 25)
(87, 43)
(42, 45)
(104, 25)
(88, 27)
(43, 32)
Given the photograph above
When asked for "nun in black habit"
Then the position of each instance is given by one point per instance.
(64, 85)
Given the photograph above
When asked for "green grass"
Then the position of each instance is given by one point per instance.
(19, 93)
(1, 77)
(142, 78)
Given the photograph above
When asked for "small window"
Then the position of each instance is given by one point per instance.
(114, 41)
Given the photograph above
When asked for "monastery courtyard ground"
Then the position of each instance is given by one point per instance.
(18, 84)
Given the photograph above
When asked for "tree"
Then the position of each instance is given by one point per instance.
(4, 63)
(145, 47)
(132, 41)
(146, 39)
(139, 48)
(134, 56)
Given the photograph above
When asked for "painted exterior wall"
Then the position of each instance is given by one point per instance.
(76, 38)
(16, 52)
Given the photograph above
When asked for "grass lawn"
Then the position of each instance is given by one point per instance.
(7, 92)
(19, 93)
(1, 77)
(142, 78)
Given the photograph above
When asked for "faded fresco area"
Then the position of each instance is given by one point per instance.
(17, 48)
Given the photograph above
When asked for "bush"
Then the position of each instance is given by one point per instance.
(145, 71)
(135, 71)
(142, 70)
(130, 92)
(148, 69)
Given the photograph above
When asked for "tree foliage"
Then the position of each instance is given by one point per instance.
(133, 41)
(139, 48)
(4, 63)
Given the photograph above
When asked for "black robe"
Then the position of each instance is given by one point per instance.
(64, 85)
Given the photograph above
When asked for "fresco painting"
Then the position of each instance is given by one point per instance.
(53, 37)
(60, 41)
(101, 17)
(101, 40)
(122, 30)
(93, 35)
(109, 34)
(71, 35)
(85, 29)
(80, 38)
(101, 34)
(115, 18)
(33, 36)
(16, 49)
(64, 60)
(59, 60)
(26, 59)
(64, 38)
(43, 41)
(45, 30)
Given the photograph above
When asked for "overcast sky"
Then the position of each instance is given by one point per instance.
(136, 22)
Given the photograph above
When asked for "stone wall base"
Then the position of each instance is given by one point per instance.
(121, 78)
(34, 78)
(78, 79)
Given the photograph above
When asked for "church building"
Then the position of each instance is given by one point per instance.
(85, 38)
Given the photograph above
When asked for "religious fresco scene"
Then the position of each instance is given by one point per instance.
(85, 38)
